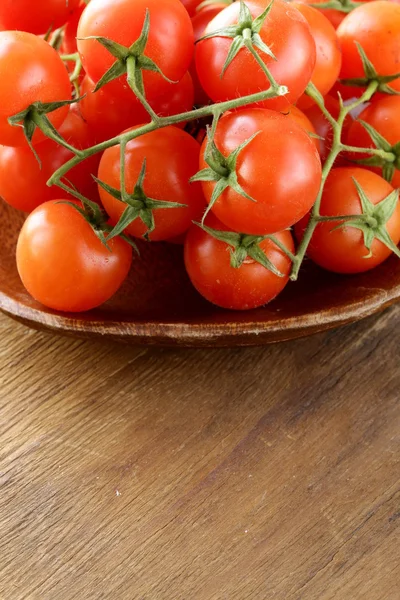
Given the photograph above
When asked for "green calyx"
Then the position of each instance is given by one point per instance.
(344, 6)
(243, 246)
(97, 219)
(389, 157)
(35, 116)
(246, 34)
(373, 220)
(131, 61)
(138, 205)
(221, 169)
(371, 75)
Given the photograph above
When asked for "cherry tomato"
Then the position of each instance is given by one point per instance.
(301, 119)
(172, 157)
(45, 14)
(69, 43)
(191, 6)
(383, 115)
(207, 262)
(343, 250)
(334, 16)
(23, 181)
(170, 43)
(284, 31)
(64, 265)
(329, 56)
(30, 71)
(324, 128)
(282, 178)
(115, 108)
(376, 27)
(200, 21)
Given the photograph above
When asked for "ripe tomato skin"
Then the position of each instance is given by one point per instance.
(200, 21)
(191, 6)
(207, 262)
(20, 15)
(22, 57)
(23, 180)
(343, 250)
(69, 43)
(328, 57)
(170, 42)
(63, 264)
(282, 178)
(383, 115)
(376, 26)
(324, 128)
(172, 157)
(285, 31)
(334, 16)
(301, 119)
(115, 108)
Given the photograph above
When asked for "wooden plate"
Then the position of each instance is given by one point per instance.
(158, 305)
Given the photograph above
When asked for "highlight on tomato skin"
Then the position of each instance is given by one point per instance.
(342, 250)
(207, 262)
(64, 265)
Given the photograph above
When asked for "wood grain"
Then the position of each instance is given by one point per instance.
(249, 474)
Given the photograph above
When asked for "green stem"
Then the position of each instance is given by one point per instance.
(131, 67)
(205, 111)
(335, 151)
(387, 156)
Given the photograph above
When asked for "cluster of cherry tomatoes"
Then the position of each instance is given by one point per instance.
(236, 185)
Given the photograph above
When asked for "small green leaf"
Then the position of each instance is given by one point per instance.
(115, 71)
(129, 215)
(260, 20)
(235, 48)
(205, 175)
(376, 137)
(229, 237)
(258, 255)
(110, 190)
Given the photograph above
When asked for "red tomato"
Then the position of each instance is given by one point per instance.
(207, 262)
(200, 22)
(170, 43)
(64, 265)
(285, 31)
(45, 14)
(383, 115)
(376, 27)
(343, 250)
(25, 192)
(172, 157)
(329, 56)
(30, 71)
(283, 178)
(191, 6)
(324, 128)
(334, 16)
(69, 43)
(115, 108)
(301, 119)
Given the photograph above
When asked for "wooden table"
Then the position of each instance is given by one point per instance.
(267, 473)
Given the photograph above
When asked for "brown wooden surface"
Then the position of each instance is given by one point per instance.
(265, 473)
